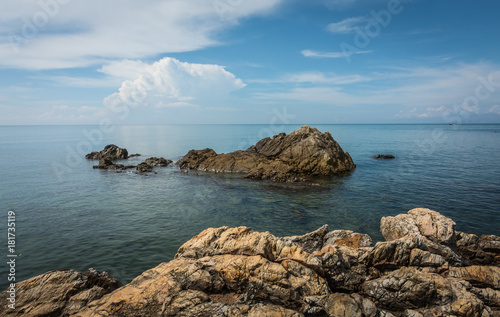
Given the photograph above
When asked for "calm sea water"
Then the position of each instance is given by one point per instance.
(127, 223)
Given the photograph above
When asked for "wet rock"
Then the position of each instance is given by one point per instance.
(111, 152)
(301, 155)
(158, 161)
(144, 168)
(384, 156)
(106, 164)
(58, 293)
(133, 155)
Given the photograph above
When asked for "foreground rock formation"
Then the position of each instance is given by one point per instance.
(301, 155)
(424, 268)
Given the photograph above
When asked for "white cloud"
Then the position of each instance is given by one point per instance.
(171, 83)
(426, 90)
(345, 26)
(311, 53)
(315, 78)
(83, 33)
(495, 109)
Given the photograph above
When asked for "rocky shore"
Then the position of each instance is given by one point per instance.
(299, 156)
(424, 268)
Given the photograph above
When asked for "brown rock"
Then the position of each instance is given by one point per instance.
(301, 155)
(144, 167)
(348, 238)
(110, 151)
(58, 293)
(158, 161)
(106, 164)
(483, 251)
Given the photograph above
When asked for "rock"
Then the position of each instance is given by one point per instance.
(301, 155)
(436, 231)
(348, 238)
(240, 272)
(106, 164)
(155, 161)
(58, 293)
(144, 168)
(384, 156)
(133, 155)
(111, 152)
(483, 251)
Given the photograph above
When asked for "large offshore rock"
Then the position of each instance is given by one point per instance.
(111, 152)
(301, 155)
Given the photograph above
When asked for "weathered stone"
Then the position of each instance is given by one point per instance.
(483, 251)
(348, 238)
(301, 155)
(111, 152)
(239, 272)
(58, 293)
(144, 167)
(158, 161)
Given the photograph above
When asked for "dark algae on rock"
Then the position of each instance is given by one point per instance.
(424, 268)
(301, 155)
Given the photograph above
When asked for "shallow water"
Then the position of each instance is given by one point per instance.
(127, 223)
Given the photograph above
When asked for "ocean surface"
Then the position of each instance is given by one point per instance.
(71, 216)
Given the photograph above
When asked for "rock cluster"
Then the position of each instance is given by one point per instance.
(424, 268)
(301, 155)
(111, 152)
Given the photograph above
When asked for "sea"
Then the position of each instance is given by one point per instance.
(69, 216)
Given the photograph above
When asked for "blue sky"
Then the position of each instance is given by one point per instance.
(241, 61)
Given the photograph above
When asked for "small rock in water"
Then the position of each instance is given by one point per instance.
(384, 156)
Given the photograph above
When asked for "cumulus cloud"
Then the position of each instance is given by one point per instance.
(54, 34)
(171, 83)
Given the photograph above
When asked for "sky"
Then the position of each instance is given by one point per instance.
(249, 62)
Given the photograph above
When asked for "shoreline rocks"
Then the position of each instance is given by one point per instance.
(424, 268)
(299, 156)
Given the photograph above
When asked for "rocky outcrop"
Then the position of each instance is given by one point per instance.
(143, 167)
(301, 155)
(384, 156)
(239, 272)
(158, 161)
(106, 164)
(111, 152)
(58, 293)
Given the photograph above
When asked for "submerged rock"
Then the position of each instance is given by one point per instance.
(111, 152)
(106, 164)
(301, 155)
(384, 156)
(239, 272)
(144, 168)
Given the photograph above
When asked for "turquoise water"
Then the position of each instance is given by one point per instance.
(127, 223)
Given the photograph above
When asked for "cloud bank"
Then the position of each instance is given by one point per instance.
(171, 83)
(52, 34)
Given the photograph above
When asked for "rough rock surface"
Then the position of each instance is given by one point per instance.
(239, 272)
(144, 167)
(111, 152)
(58, 293)
(301, 155)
